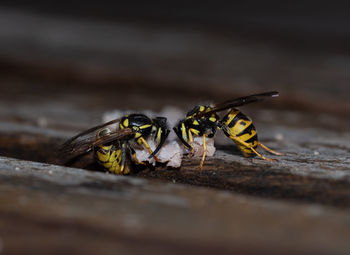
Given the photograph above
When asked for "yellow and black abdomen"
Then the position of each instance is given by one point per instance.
(238, 127)
(111, 158)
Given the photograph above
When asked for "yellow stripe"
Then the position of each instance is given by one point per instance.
(145, 126)
(194, 131)
(195, 122)
(112, 157)
(212, 119)
(126, 170)
(102, 157)
(239, 128)
(246, 137)
(126, 123)
(231, 116)
(107, 165)
(184, 134)
(106, 147)
(159, 135)
(118, 156)
(115, 167)
(246, 151)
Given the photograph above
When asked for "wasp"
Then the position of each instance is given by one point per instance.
(113, 148)
(203, 121)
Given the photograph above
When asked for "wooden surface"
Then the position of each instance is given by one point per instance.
(55, 209)
(59, 75)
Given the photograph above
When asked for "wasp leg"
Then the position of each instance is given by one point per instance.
(204, 152)
(144, 142)
(190, 139)
(134, 158)
(270, 150)
(236, 139)
(122, 166)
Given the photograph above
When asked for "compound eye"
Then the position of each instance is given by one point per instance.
(103, 132)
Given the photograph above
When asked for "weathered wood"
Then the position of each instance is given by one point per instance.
(78, 211)
(162, 60)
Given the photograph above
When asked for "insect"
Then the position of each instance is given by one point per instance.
(203, 121)
(113, 149)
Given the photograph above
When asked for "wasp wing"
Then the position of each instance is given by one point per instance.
(92, 130)
(76, 148)
(239, 102)
(87, 140)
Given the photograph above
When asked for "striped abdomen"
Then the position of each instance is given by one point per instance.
(238, 126)
(111, 158)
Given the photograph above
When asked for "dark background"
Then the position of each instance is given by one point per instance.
(238, 48)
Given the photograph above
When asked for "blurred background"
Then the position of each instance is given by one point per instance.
(131, 54)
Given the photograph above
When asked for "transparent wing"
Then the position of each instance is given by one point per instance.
(87, 140)
(92, 130)
(239, 102)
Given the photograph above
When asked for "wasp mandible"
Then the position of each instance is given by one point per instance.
(203, 121)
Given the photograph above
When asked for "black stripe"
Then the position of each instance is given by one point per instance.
(224, 128)
(233, 121)
(103, 151)
(252, 139)
(247, 130)
(242, 116)
(239, 116)
(193, 111)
